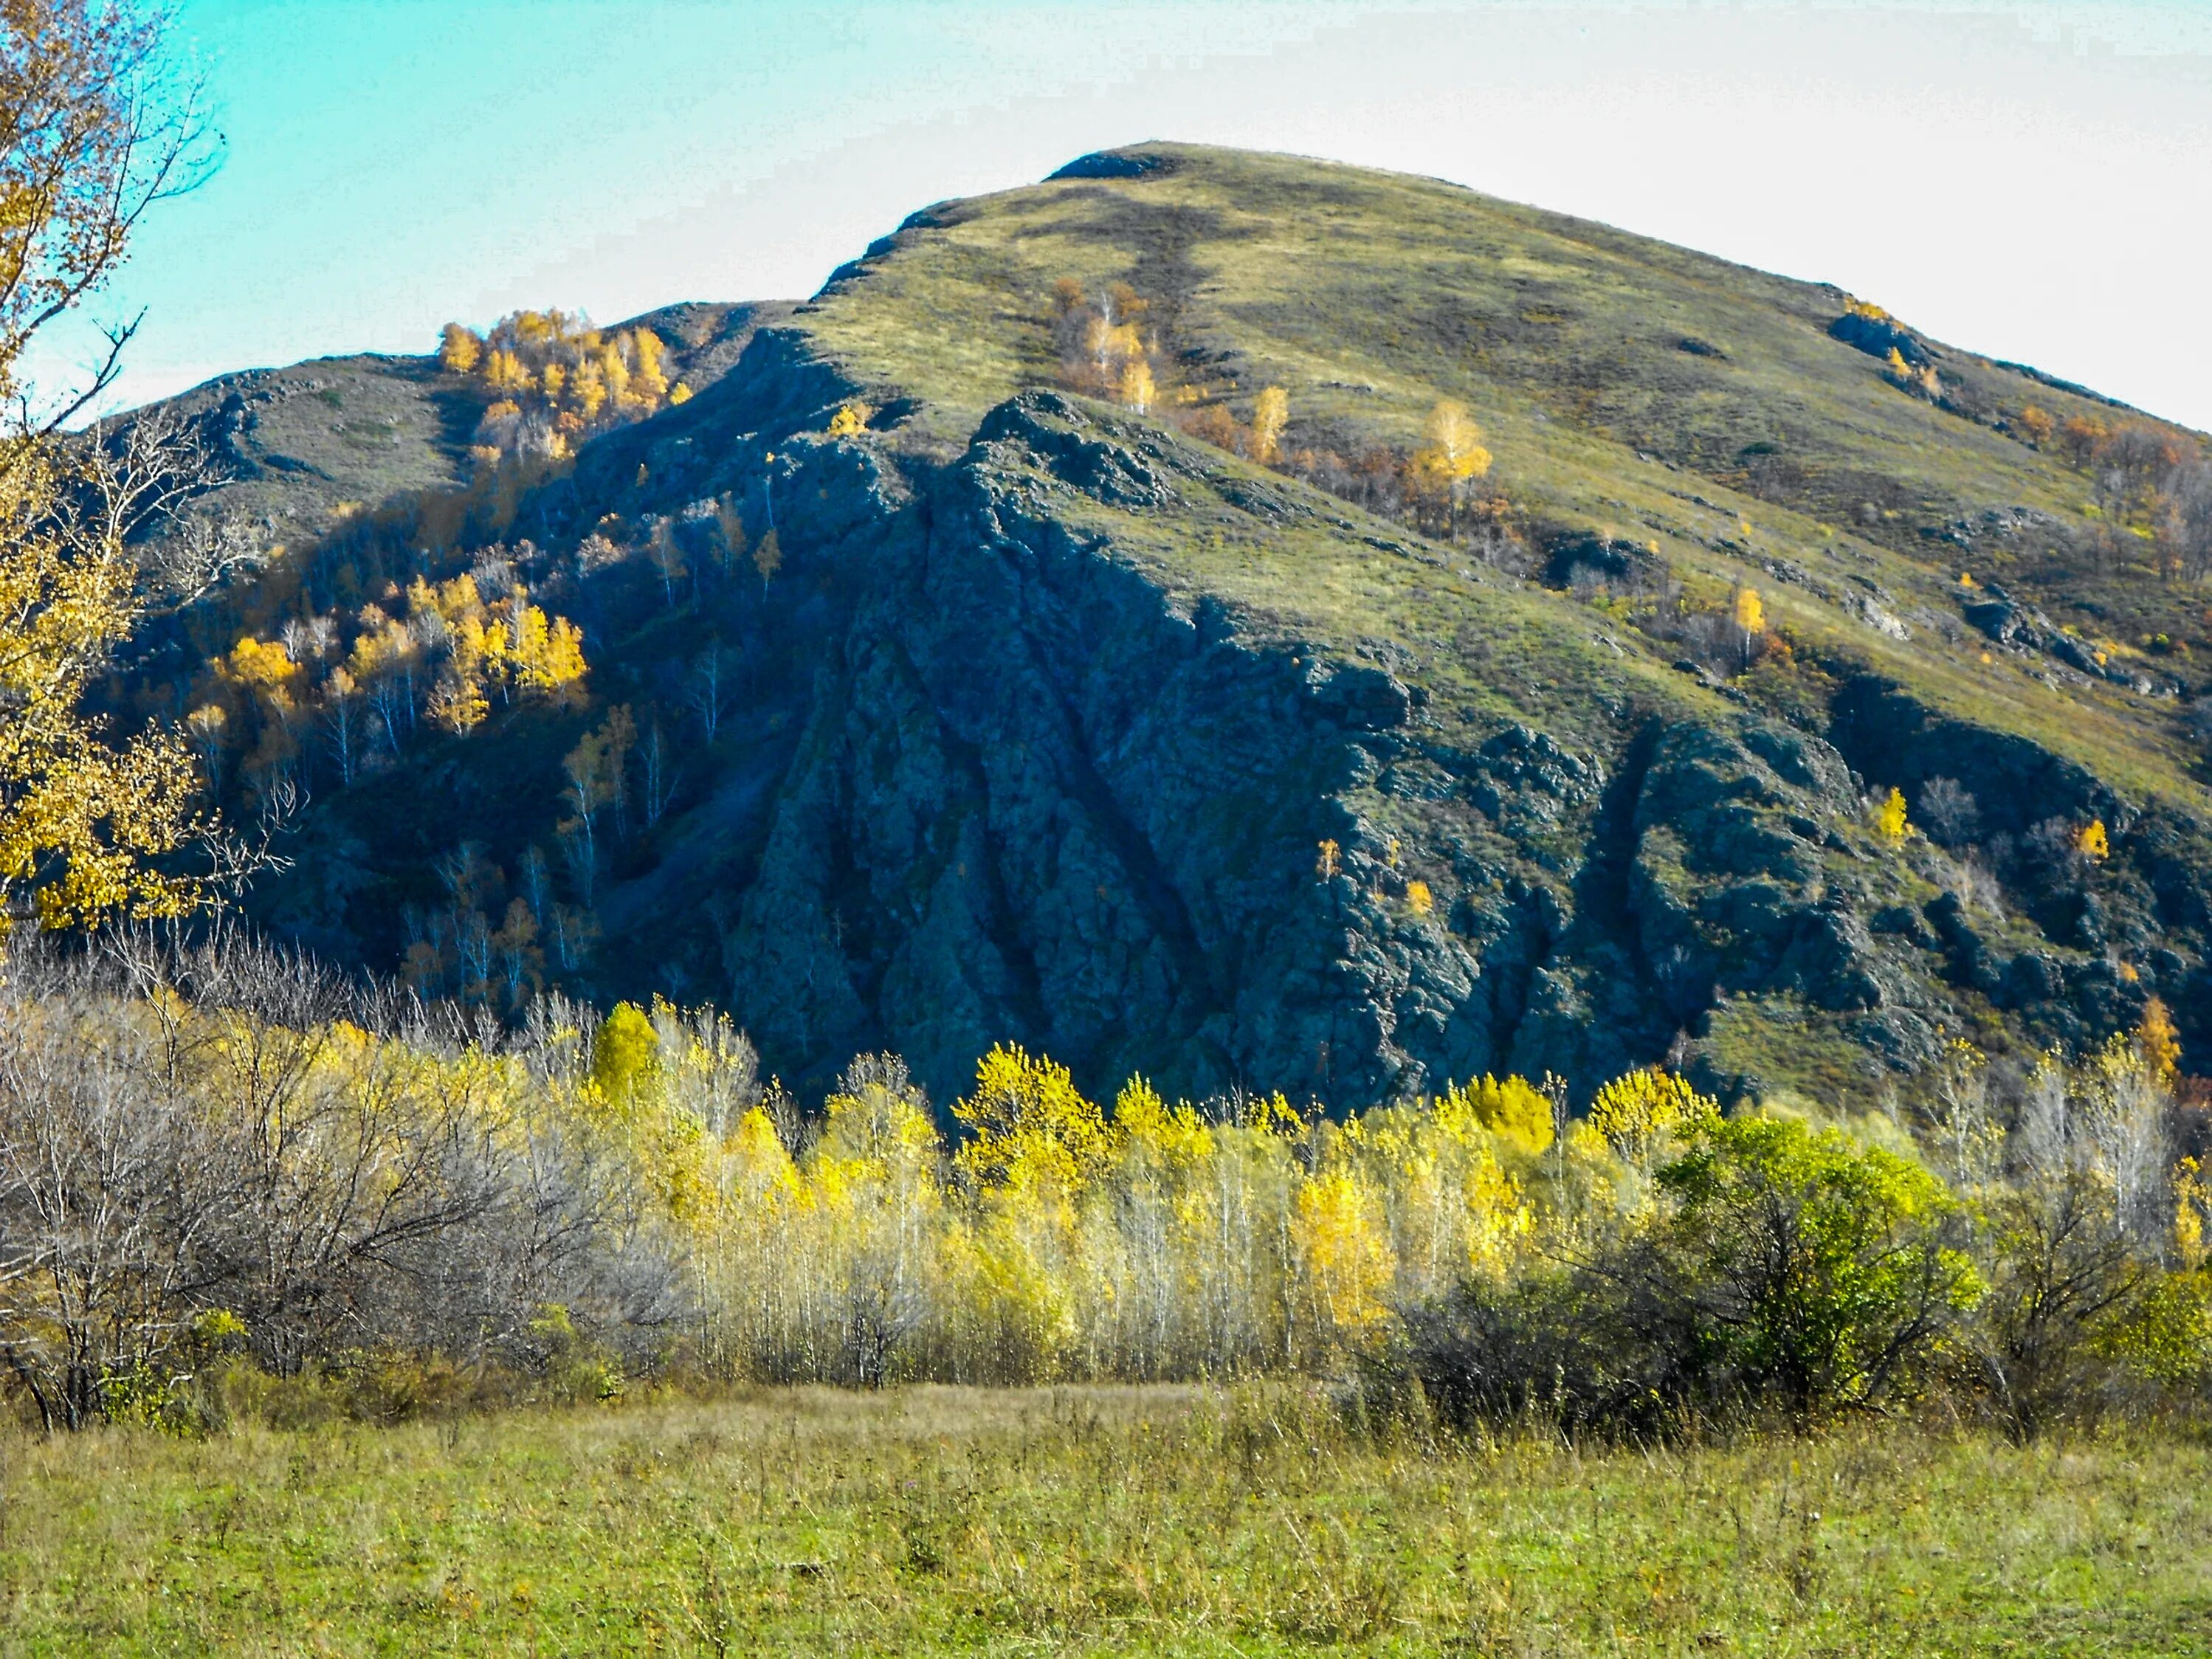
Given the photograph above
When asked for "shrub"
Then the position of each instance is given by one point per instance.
(1809, 1268)
(1559, 1347)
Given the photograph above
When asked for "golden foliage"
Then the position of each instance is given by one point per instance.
(459, 349)
(1454, 442)
(447, 642)
(1271, 414)
(1514, 1109)
(1028, 1125)
(768, 556)
(556, 379)
(2092, 842)
(1889, 818)
(2158, 1042)
(1345, 1249)
(88, 149)
(1104, 349)
(1635, 1111)
(1135, 387)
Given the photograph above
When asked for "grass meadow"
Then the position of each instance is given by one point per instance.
(1236, 1522)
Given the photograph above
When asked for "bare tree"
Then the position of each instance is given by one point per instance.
(704, 690)
(1950, 812)
(659, 775)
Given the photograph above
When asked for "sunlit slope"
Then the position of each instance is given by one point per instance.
(1628, 387)
(294, 451)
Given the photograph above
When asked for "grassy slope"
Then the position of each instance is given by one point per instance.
(338, 434)
(1087, 1520)
(342, 433)
(1368, 295)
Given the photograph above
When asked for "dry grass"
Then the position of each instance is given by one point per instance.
(1092, 1520)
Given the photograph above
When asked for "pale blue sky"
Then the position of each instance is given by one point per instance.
(2029, 177)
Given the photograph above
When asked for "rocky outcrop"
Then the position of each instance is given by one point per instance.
(1037, 793)
(1878, 336)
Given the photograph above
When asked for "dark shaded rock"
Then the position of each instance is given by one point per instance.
(2032, 977)
(1880, 335)
(1078, 453)
(2002, 620)
(1111, 164)
(1356, 696)
(1602, 559)
(1906, 923)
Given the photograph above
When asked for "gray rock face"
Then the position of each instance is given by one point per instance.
(1039, 797)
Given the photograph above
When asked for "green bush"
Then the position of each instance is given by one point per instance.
(1807, 1268)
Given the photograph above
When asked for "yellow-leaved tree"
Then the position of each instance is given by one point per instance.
(1637, 1112)
(2158, 1042)
(1750, 618)
(767, 557)
(1452, 454)
(1034, 1143)
(1135, 385)
(95, 133)
(1890, 818)
(1271, 414)
(459, 348)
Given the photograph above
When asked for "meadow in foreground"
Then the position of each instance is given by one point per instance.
(1158, 1520)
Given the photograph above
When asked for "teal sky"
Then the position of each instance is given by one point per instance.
(2029, 177)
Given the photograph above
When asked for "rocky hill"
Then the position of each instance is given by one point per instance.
(1096, 713)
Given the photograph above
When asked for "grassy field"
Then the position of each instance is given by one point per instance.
(1087, 1520)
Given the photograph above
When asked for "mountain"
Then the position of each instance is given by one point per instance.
(1085, 709)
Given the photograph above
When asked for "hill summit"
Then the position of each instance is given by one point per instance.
(1245, 620)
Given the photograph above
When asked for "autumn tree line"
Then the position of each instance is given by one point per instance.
(223, 1169)
(2151, 491)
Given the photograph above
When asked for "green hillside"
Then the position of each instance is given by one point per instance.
(1368, 295)
(1057, 719)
